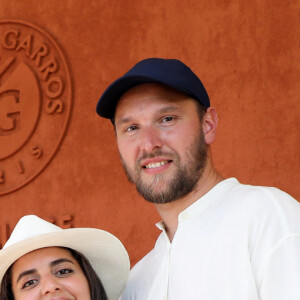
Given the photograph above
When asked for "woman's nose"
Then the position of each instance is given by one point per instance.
(50, 285)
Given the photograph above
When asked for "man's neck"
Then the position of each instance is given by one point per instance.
(169, 211)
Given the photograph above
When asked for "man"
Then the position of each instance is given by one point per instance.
(220, 239)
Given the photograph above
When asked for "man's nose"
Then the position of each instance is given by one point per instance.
(50, 285)
(150, 139)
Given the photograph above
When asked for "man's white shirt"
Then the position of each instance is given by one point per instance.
(237, 242)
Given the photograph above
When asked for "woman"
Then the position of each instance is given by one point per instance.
(42, 261)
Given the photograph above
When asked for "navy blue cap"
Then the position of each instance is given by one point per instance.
(170, 72)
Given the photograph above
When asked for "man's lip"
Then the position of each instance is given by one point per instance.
(154, 160)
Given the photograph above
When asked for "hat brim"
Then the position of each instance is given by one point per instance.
(104, 251)
(107, 104)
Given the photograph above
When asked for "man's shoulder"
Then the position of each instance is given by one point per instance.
(263, 203)
(263, 195)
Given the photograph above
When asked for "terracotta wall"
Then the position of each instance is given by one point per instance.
(246, 53)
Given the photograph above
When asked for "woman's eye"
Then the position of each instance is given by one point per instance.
(29, 283)
(64, 272)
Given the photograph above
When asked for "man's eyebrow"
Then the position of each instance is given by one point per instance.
(167, 109)
(59, 261)
(123, 120)
(25, 273)
(163, 110)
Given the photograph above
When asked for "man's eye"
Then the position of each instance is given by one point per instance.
(131, 128)
(64, 272)
(29, 283)
(168, 119)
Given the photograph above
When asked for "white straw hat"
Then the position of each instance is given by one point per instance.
(104, 251)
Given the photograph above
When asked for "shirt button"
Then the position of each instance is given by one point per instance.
(165, 297)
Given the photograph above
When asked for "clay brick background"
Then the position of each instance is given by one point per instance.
(248, 56)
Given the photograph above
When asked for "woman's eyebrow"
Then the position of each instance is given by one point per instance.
(53, 263)
(25, 273)
(59, 261)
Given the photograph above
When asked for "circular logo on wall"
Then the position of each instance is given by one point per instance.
(35, 102)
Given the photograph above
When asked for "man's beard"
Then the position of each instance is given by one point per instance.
(184, 179)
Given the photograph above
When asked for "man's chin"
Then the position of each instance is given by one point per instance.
(155, 189)
(157, 183)
(154, 193)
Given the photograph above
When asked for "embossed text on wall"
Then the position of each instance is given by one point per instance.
(35, 102)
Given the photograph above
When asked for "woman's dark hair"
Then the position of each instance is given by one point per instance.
(97, 290)
(6, 288)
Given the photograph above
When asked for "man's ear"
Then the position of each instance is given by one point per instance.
(209, 125)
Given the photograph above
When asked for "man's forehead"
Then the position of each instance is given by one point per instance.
(154, 99)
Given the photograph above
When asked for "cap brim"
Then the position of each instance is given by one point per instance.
(104, 251)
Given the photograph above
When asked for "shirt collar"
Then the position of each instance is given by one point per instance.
(202, 203)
